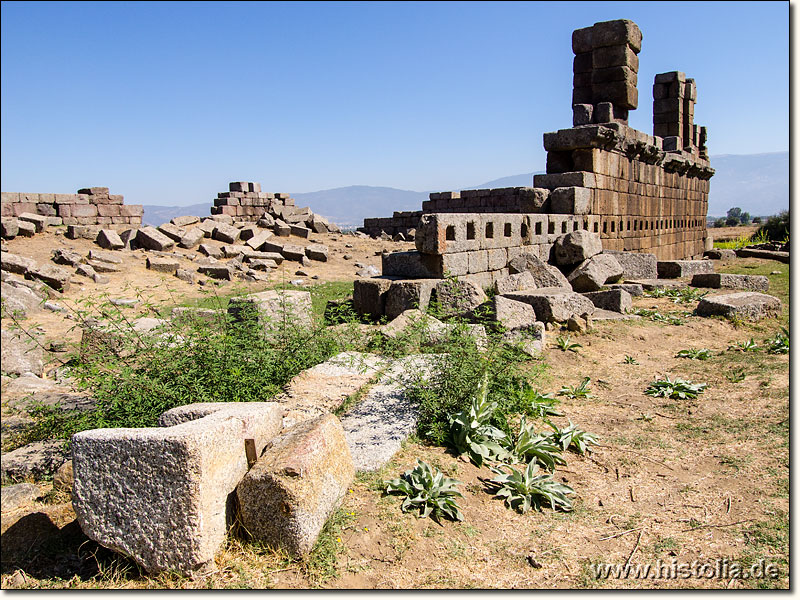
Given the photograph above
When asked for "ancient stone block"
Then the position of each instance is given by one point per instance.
(570, 200)
(582, 114)
(171, 231)
(513, 314)
(755, 283)
(232, 250)
(454, 297)
(15, 263)
(554, 304)
(616, 33)
(743, 305)
(39, 221)
(218, 271)
(415, 264)
(636, 265)
(109, 239)
(164, 265)
(544, 275)
(192, 237)
(593, 273)
(516, 282)
(257, 241)
(369, 296)
(9, 228)
(152, 239)
(282, 229)
(19, 354)
(634, 289)
(407, 294)
(56, 278)
(673, 269)
(297, 483)
(174, 482)
(299, 230)
(25, 229)
(577, 246)
(720, 254)
(225, 233)
(617, 300)
(275, 310)
(317, 252)
(184, 221)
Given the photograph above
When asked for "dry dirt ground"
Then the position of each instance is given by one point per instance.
(674, 481)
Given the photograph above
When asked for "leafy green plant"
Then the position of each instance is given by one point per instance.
(573, 436)
(536, 404)
(629, 360)
(581, 390)
(563, 344)
(427, 490)
(695, 354)
(779, 344)
(522, 490)
(471, 433)
(677, 389)
(735, 375)
(683, 296)
(529, 445)
(656, 316)
(746, 346)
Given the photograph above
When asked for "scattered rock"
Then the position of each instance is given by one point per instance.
(751, 306)
(33, 460)
(109, 239)
(62, 256)
(19, 354)
(593, 273)
(755, 283)
(576, 247)
(16, 496)
(674, 269)
(457, 297)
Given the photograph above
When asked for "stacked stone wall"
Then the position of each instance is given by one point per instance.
(404, 222)
(245, 201)
(90, 206)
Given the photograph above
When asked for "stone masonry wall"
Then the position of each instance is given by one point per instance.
(90, 206)
(246, 201)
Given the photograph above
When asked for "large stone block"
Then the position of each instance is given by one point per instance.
(192, 237)
(184, 221)
(317, 252)
(275, 310)
(616, 299)
(174, 484)
(151, 238)
(39, 221)
(554, 304)
(513, 314)
(516, 282)
(109, 239)
(743, 305)
(544, 274)
(19, 354)
(369, 296)
(9, 228)
(615, 33)
(259, 239)
(173, 232)
(571, 200)
(593, 273)
(297, 483)
(225, 233)
(577, 246)
(673, 269)
(415, 264)
(14, 263)
(55, 277)
(636, 265)
(408, 294)
(456, 297)
(755, 283)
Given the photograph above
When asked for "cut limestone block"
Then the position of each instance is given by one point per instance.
(593, 273)
(20, 354)
(14, 263)
(225, 233)
(554, 304)
(20, 300)
(317, 252)
(39, 221)
(55, 277)
(33, 460)
(575, 247)
(109, 239)
(191, 238)
(673, 269)
(513, 314)
(530, 340)
(617, 300)
(151, 238)
(257, 241)
(9, 228)
(744, 305)
(742, 252)
(282, 229)
(218, 271)
(652, 284)
(102, 266)
(570, 200)
(25, 229)
(406, 294)
(636, 265)
(720, 254)
(456, 297)
(516, 282)
(416, 264)
(164, 265)
(299, 230)
(232, 250)
(369, 296)
(634, 289)
(109, 257)
(274, 309)
(544, 274)
(184, 221)
(755, 283)
(210, 250)
(173, 232)
(296, 484)
(173, 482)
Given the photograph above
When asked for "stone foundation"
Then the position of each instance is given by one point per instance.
(90, 206)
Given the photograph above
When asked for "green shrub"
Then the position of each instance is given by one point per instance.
(526, 489)
(428, 491)
(776, 228)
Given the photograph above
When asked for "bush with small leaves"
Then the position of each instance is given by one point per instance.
(427, 490)
(522, 490)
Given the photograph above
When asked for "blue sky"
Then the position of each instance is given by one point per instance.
(167, 102)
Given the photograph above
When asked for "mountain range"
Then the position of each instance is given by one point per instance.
(756, 183)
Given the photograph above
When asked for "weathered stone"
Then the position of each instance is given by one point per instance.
(744, 305)
(741, 252)
(575, 247)
(16, 264)
(651, 284)
(9, 228)
(554, 304)
(282, 229)
(55, 277)
(636, 265)
(19, 300)
(251, 255)
(163, 265)
(62, 256)
(369, 296)
(185, 275)
(593, 273)
(151, 238)
(263, 264)
(16, 496)
(39, 221)
(225, 233)
(457, 297)
(293, 252)
(317, 252)
(217, 219)
(257, 241)
(108, 257)
(617, 300)
(544, 275)
(233, 250)
(33, 460)
(634, 289)
(755, 283)
(318, 224)
(109, 239)
(174, 482)
(299, 230)
(406, 294)
(217, 271)
(720, 254)
(64, 477)
(102, 266)
(274, 309)
(187, 314)
(417, 264)
(513, 314)
(530, 340)
(26, 229)
(673, 269)
(192, 237)
(297, 483)
(184, 221)
(368, 271)
(210, 250)
(571, 200)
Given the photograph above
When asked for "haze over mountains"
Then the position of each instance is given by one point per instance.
(756, 183)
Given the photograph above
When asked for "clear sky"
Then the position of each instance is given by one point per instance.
(168, 102)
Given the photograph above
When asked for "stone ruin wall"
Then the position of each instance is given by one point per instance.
(244, 201)
(640, 192)
(90, 206)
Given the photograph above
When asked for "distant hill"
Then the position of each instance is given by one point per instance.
(757, 183)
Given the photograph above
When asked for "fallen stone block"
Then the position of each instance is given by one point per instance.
(457, 297)
(755, 283)
(251, 255)
(19, 354)
(192, 238)
(185, 275)
(751, 306)
(296, 484)
(35, 460)
(262, 264)
(318, 224)
(184, 221)
(636, 265)
(55, 277)
(257, 241)
(406, 294)
(226, 219)
(174, 482)
(274, 309)
(292, 252)
(233, 250)
(720, 254)
(674, 269)
(210, 250)
(163, 265)
(102, 266)
(109, 239)
(62, 256)
(593, 273)
(108, 257)
(185, 314)
(207, 226)
(19, 300)
(39, 221)
(25, 229)
(531, 340)
(750, 253)
(218, 271)
(317, 252)
(617, 300)
(369, 296)
(634, 289)
(554, 304)
(282, 229)
(577, 246)
(513, 314)
(14, 263)
(151, 238)
(651, 284)
(9, 228)
(544, 274)
(225, 233)
(299, 230)
(16, 496)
